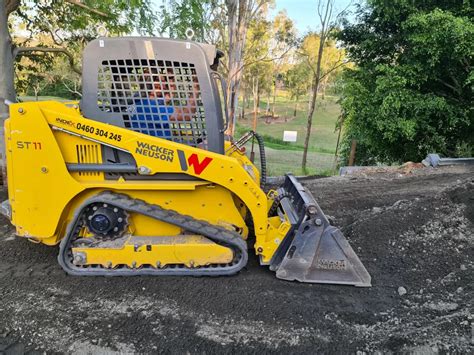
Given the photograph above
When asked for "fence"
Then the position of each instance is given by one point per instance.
(289, 161)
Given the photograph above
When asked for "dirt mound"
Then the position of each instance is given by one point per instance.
(374, 171)
(414, 233)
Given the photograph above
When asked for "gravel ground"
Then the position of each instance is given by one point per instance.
(414, 233)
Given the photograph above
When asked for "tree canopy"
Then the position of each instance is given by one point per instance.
(40, 30)
(411, 91)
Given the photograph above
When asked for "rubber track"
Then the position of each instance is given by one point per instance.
(215, 233)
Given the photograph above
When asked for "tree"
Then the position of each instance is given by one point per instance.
(411, 90)
(260, 79)
(68, 24)
(265, 56)
(327, 26)
(50, 76)
(257, 72)
(298, 82)
(179, 15)
(283, 41)
(238, 27)
(7, 89)
(239, 15)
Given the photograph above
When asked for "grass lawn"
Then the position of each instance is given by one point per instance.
(43, 98)
(287, 157)
(323, 137)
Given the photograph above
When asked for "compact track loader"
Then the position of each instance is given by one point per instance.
(138, 178)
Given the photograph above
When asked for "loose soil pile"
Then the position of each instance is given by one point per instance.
(413, 232)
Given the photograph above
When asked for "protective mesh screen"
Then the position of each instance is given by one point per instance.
(154, 97)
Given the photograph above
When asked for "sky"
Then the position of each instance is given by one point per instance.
(303, 12)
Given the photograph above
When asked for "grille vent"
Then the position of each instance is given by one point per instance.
(155, 97)
(88, 154)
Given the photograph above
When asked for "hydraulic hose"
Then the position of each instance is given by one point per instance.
(263, 159)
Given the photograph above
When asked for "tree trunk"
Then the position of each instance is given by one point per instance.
(274, 99)
(255, 119)
(258, 100)
(296, 107)
(316, 82)
(236, 110)
(310, 99)
(267, 110)
(7, 88)
(237, 22)
(244, 96)
(337, 147)
(255, 91)
(353, 152)
(323, 88)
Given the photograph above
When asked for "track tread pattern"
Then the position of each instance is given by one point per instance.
(215, 233)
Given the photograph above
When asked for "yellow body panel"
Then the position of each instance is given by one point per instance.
(191, 251)
(42, 137)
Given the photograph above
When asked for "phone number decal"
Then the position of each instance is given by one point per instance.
(90, 129)
(99, 132)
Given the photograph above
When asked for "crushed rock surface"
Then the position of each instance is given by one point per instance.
(413, 231)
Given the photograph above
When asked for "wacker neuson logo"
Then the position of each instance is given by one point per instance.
(154, 151)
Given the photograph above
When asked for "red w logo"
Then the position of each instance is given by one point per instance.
(193, 161)
(199, 167)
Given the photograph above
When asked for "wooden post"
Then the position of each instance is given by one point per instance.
(353, 152)
(337, 147)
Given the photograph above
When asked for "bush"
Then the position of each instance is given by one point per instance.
(412, 90)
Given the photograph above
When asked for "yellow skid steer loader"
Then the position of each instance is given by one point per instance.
(138, 177)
